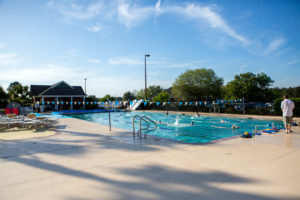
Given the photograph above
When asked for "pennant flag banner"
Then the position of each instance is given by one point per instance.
(180, 103)
(145, 103)
(151, 103)
(87, 103)
(71, 102)
(67, 103)
(169, 102)
(57, 102)
(231, 101)
(131, 103)
(157, 103)
(52, 102)
(117, 103)
(205, 103)
(164, 103)
(191, 103)
(79, 102)
(43, 102)
(75, 102)
(62, 103)
(186, 103)
(200, 103)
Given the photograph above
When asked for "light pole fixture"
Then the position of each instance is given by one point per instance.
(85, 85)
(147, 55)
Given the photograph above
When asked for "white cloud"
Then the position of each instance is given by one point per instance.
(157, 7)
(70, 54)
(124, 61)
(9, 59)
(242, 68)
(75, 11)
(198, 12)
(293, 62)
(92, 60)
(274, 45)
(95, 28)
(2, 46)
(134, 15)
(42, 74)
(187, 65)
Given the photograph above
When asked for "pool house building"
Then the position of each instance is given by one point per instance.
(61, 95)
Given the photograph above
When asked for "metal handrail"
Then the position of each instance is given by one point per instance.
(145, 119)
(152, 122)
(140, 131)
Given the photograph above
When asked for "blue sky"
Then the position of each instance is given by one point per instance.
(44, 42)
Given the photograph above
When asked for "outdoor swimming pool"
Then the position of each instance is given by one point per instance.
(178, 127)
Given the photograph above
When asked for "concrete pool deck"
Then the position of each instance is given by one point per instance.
(86, 161)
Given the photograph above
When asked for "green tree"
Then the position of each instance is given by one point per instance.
(250, 86)
(140, 94)
(128, 96)
(18, 93)
(161, 97)
(291, 91)
(91, 98)
(152, 91)
(197, 84)
(107, 98)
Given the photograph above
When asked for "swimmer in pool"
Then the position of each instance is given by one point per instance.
(192, 123)
(235, 126)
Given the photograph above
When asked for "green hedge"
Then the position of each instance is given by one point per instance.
(277, 104)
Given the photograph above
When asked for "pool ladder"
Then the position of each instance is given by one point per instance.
(147, 120)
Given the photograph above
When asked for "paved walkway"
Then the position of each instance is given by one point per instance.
(86, 161)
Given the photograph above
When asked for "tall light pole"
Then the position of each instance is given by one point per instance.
(85, 85)
(147, 55)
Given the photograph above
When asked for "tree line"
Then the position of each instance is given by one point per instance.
(203, 84)
(193, 85)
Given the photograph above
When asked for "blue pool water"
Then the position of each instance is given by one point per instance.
(178, 127)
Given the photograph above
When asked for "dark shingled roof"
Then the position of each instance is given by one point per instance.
(61, 88)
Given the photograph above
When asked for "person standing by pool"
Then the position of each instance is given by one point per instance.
(37, 105)
(287, 107)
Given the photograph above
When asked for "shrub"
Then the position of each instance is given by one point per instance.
(229, 110)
